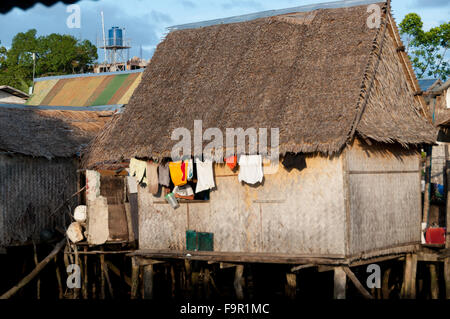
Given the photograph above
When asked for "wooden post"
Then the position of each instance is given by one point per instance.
(59, 279)
(426, 195)
(84, 291)
(291, 285)
(434, 283)
(134, 277)
(238, 282)
(409, 277)
(148, 281)
(385, 288)
(36, 262)
(187, 266)
(357, 283)
(102, 277)
(340, 281)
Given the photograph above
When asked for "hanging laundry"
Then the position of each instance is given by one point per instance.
(137, 169)
(178, 173)
(231, 162)
(163, 174)
(184, 192)
(250, 169)
(152, 177)
(131, 183)
(190, 169)
(205, 176)
(292, 160)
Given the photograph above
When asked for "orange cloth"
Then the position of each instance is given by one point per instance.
(231, 161)
(178, 173)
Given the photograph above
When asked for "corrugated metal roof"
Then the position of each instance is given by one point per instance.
(271, 13)
(86, 89)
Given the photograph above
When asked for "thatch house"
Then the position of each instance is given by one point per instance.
(39, 158)
(339, 91)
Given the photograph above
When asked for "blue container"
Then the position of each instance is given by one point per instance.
(115, 37)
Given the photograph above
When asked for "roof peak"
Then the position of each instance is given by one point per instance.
(271, 13)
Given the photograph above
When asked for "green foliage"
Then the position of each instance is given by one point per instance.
(428, 50)
(55, 54)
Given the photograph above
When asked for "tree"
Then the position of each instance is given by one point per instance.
(55, 54)
(428, 50)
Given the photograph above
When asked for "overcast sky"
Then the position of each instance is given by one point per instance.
(146, 21)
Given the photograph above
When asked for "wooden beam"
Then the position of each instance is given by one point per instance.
(116, 271)
(340, 283)
(297, 268)
(357, 283)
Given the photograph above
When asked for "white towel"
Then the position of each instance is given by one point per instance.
(205, 176)
(250, 169)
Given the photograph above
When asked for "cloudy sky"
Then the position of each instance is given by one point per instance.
(146, 21)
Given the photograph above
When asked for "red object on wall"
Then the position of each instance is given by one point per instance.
(435, 236)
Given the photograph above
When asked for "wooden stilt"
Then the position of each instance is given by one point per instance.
(76, 291)
(148, 281)
(108, 281)
(187, 266)
(172, 280)
(35, 271)
(207, 283)
(447, 276)
(38, 282)
(84, 290)
(340, 282)
(102, 277)
(118, 273)
(291, 285)
(58, 279)
(238, 282)
(385, 288)
(357, 283)
(434, 283)
(409, 277)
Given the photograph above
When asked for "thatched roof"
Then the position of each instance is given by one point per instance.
(48, 133)
(316, 76)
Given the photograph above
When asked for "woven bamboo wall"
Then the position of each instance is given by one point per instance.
(384, 197)
(30, 190)
(293, 212)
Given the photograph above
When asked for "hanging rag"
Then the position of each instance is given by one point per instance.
(137, 169)
(152, 177)
(178, 173)
(190, 169)
(205, 176)
(250, 169)
(292, 160)
(163, 175)
(231, 161)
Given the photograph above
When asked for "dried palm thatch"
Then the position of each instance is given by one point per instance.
(48, 133)
(312, 75)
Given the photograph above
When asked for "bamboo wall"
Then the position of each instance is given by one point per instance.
(364, 201)
(30, 190)
(384, 197)
(296, 212)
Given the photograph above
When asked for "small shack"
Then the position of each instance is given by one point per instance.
(39, 159)
(342, 95)
(8, 94)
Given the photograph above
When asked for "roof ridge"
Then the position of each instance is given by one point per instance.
(271, 13)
